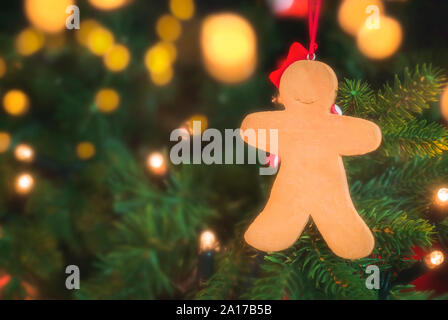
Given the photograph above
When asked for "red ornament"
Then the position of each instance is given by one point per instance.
(290, 8)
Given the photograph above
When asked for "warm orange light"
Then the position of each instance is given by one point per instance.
(156, 163)
(24, 183)
(158, 59)
(352, 14)
(29, 41)
(444, 104)
(5, 141)
(442, 194)
(86, 28)
(100, 40)
(24, 152)
(2, 67)
(107, 100)
(117, 58)
(162, 78)
(203, 121)
(168, 28)
(48, 15)
(228, 45)
(434, 259)
(208, 241)
(85, 150)
(108, 4)
(182, 9)
(380, 43)
(15, 102)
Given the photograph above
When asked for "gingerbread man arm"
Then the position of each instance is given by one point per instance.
(355, 136)
(254, 122)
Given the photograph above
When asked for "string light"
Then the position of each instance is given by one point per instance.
(182, 9)
(2, 67)
(228, 45)
(156, 163)
(100, 40)
(442, 195)
(5, 141)
(48, 15)
(352, 14)
(108, 4)
(168, 28)
(107, 100)
(117, 58)
(158, 59)
(24, 183)
(207, 241)
(380, 43)
(434, 259)
(24, 153)
(29, 41)
(15, 102)
(86, 28)
(85, 150)
(444, 104)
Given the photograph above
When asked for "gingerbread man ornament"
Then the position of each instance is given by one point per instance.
(311, 181)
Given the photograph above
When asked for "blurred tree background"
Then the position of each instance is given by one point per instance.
(85, 176)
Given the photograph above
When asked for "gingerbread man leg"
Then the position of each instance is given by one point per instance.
(281, 222)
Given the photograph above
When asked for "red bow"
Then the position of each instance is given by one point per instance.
(296, 52)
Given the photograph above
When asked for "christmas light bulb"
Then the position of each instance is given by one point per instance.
(208, 241)
(24, 152)
(24, 183)
(434, 259)
(442, 194)
(156, 163)
(15, 102)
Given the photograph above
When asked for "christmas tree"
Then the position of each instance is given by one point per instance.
(86, 179)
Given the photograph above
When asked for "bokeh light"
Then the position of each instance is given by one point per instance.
(380, 43)
(182, 9)
(108, 4)
(24, 183)
(171, 49)
(444, 104)
(442, 194)
(86, 28)
(198, 118)
(207, 241)
(168, 28)
(48, 15)
(24, 153)
(5, 141)
(158, 59)
(29, 41)
(352, 14)
(15, 102)
(85, 150)
(117, 58)
(228, 44)
(162, 78)
(2, 67)
(434, 259)
(100, 40)
(156, 163)
(107, 100)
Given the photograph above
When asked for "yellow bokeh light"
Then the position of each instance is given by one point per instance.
(100, 40)
(168, 28)
(86, 27)
(107, 100)
(352, 14)
(171, 48)
(2, 67)
(162, 78)
(29, 41)
(182, 9)
(5, 141)
(24, 183)
(228, 45)
(158, 58)
(117, 58)
(197, 118)
(156, 163)
(444, 104)
(48, 15)
(380, 43)
(15, 102)
(24, 152)
(85, 150)
(108, 4)
(434, 259)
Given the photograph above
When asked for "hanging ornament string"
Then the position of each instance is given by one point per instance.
(313, 22)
